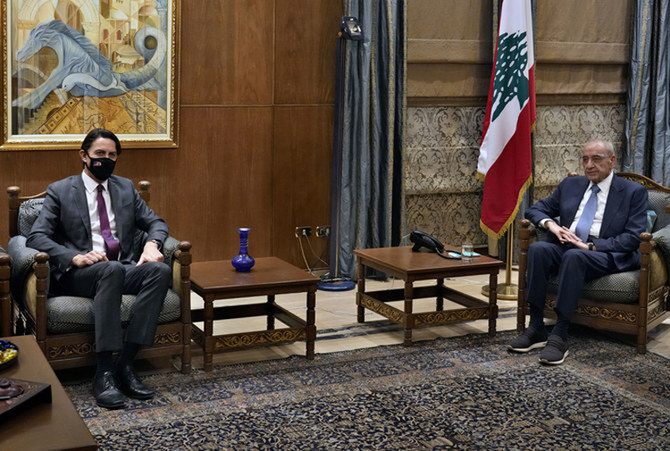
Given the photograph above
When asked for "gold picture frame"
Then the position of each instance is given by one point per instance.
(71, 66)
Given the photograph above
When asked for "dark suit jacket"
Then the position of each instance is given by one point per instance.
(63, 228)
(624, 219)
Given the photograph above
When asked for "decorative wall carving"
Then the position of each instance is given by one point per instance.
(451, 217)
(562, 131)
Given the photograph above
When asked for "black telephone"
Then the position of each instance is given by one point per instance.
(423, 239)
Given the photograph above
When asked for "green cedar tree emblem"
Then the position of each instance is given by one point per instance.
(510, 81)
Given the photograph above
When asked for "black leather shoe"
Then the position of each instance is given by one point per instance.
(131, 385)
(106, 393)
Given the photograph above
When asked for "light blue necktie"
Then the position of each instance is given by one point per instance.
(586, 220)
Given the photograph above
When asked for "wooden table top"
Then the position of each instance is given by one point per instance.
(268, 272)
(55, 425)
(401, 260)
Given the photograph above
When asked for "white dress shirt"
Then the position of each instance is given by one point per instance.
(600, 210)
(92, 202)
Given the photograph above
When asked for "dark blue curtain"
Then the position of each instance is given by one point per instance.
(368, 203)
(648, 117)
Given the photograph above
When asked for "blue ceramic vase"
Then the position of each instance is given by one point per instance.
(243, 262)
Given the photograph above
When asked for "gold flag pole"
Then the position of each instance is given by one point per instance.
(508, 290)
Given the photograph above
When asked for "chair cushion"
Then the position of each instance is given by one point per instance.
(22, 263)
(75, 314)
(622, 287)
(657, 202)
(651, 220)
(662, 238)
(28, 213)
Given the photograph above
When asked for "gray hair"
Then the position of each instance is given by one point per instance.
(607, 145)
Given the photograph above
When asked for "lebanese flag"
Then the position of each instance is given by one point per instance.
(505, 151)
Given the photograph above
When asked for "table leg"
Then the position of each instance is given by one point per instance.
(311, 322)
(493, 306)
(360, 277)
(209, 332)
(409, 317)
(439, 304)
(271, 316)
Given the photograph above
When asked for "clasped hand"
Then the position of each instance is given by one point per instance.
(150, 253)
(565, 236)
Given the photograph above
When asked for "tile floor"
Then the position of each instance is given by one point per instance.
(338, 329)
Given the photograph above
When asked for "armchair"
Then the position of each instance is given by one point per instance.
(5, 300)
(632, 302)
(63, 325)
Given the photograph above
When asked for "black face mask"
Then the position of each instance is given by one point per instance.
(101, 168)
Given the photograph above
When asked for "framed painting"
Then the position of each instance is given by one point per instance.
(70, 66)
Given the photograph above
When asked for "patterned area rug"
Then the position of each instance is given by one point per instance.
(458, 393)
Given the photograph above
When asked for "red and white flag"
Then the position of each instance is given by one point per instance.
(505, 152)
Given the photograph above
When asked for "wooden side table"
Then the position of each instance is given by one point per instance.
(402, 263)
(55, 425)
(218, 280)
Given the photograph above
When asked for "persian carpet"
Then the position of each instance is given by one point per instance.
(457, 393)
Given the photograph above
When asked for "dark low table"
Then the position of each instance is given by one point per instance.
(54, 425)
(218, 280)
(403, 263)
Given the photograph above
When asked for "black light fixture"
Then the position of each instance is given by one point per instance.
(351, 29)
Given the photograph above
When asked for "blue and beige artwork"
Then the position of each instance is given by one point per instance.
(106, 67)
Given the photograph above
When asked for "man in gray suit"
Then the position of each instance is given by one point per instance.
(87, 225)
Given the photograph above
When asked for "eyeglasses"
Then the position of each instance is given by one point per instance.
(596, 158)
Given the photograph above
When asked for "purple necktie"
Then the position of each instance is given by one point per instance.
(111, 244)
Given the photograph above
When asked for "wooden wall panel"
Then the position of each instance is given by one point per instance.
(32, 172)
(227, 52)
(227, 180)
(302, 162)
(305, 50)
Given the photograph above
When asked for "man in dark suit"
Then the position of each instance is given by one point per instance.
(87, 225)
(595, 221)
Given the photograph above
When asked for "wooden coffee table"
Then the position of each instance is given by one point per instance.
(402, 263)
(217, 280)
(55, 425)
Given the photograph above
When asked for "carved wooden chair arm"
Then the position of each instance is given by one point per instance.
(5, 301)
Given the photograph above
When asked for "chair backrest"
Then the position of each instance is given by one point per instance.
(15, 201)
(24, 210)
(659, 198)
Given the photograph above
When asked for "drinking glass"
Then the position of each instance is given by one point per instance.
(467, 252)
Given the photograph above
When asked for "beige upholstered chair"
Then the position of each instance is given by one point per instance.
(63, 325)
(5, 300)
(632, 302)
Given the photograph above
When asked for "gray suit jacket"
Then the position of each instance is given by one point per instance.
(63, 228)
